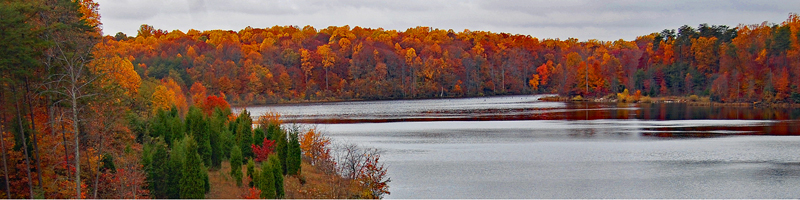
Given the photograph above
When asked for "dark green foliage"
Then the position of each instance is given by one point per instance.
(138, 125)
(18, 134)
(796, 97)
(281, 148)
(167, 125)
(120, 36)
(195, 121)
(206, 180)
(243, 127)
(156, 162)
(19, 44)
(198, 126)
(277, 172)
(236, 165)
(219, 135)
(175, 171)
(228, 141)
(273, 130)
(781, 40)
(215, 144)
(107, 163)
(251, 172)
(266, 181)
(193, 182)
(259, 134)
(293, 161)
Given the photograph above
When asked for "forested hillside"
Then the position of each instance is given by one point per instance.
(289, 63)
(89, 116)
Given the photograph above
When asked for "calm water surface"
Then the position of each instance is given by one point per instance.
(519, 147)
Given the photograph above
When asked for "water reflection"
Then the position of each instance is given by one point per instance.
(512, 108)
(519, 147)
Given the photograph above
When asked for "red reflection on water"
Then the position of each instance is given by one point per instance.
(785, 120)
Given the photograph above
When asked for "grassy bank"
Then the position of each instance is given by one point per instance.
(312, 183)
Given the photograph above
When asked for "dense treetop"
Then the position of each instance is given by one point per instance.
(289, 63)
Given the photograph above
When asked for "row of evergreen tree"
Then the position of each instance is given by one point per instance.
(180, 151)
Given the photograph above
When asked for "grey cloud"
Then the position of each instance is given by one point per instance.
(583, 19)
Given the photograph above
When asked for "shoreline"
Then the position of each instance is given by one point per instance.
(675, 99)
(303, 102)
(555, 98)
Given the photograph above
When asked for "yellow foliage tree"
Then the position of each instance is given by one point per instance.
(162, 98)
(703, 49)
(328, 59)
(534, 82)
(177, 95)
(117, 71)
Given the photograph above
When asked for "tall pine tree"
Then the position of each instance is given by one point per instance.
(277, 171)
(293, 161)
(266, 182)
(193, 182)
(236, 165)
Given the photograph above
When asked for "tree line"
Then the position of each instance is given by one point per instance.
(288, 63)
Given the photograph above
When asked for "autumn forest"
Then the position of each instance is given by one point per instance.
(149, 115)
(289, 63)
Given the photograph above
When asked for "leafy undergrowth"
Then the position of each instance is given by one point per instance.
(312, 183)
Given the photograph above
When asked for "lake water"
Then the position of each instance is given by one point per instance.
(520, 147)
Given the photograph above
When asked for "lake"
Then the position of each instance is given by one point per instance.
(520, 147)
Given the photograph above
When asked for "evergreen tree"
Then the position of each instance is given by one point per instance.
(251, 172)
(193, 183)
(168, 125)
(228, 141)
(156, 162)
(294, 160)
(244, 133)
(236, 165)
(272, 131)
(221, 137)
(277, 172)
(197, 126)
(175, 171)
(259, 134)
(175, 124)
(158, 127)
(281, 148)
(266, 181)
(206, 180)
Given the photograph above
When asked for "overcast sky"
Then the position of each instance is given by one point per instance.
(582, 19)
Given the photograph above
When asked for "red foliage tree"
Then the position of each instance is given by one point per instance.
(252, 193)
(262, 152)
(212, 102)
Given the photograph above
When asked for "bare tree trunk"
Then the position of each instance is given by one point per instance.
(97, 174)
(64, 138)
(25, 149)
(36, 155)
(69, 52)
(3, 145)
(326, 78)
(77, 145)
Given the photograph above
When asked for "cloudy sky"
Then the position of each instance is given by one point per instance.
(582, 19)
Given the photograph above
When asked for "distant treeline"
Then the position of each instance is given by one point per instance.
(286, 63)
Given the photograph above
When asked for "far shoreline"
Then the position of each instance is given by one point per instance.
(691, 101)
(676, 99)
